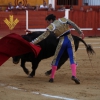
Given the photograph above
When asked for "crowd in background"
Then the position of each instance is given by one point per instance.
(82, 8)
(44, 6)
(20, 6)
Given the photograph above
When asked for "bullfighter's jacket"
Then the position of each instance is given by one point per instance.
(59, 27)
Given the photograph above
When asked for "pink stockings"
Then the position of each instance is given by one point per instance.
(54, 68)
(73, 68)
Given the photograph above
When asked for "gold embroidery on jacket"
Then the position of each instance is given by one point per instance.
(41, 37)
(57, 50)
(59, 26)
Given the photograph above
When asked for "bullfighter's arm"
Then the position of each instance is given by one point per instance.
(74, 26)
(41, 37)
(68, 21)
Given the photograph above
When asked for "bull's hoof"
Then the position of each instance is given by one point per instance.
(51, 80)
(47, 73)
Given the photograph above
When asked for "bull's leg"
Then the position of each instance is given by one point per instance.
(34, 67)
(47, 73)
(23, 66)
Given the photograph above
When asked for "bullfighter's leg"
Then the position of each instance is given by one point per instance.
(63, 59)
(74, 53)
(63, 44)
(73, 65)
(59, 51)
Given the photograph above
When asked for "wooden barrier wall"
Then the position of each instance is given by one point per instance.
(36, 20)
(20, 26)
(85, 20)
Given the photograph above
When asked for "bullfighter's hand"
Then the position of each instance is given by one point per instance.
(82, 35)
(32, 42)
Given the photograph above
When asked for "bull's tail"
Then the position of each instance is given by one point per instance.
(89, 48)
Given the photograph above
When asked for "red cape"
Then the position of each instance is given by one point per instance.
(14, 45)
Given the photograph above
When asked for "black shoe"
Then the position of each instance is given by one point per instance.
(51, 80)
(77, 81)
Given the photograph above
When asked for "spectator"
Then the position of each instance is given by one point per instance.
(10, 7)
(20, 6)
(50, 8)
(44, 5)
(37, 8)
(90, 9)
(29, 7)
(62, 8)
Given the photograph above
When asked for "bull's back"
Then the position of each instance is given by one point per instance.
(48, 45)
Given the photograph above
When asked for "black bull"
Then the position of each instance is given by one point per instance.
(48, 46)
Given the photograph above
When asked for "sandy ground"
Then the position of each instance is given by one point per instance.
(15, 85)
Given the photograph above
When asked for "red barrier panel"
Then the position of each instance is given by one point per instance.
(10, 18)
(98, 23)
(89, 22)
(37, 18)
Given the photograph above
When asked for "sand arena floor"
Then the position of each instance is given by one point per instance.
(15, 85)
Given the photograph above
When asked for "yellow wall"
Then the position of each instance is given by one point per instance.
(31, 2)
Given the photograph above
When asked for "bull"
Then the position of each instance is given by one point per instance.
(48, 48)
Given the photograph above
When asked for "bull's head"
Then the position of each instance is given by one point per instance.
(16, 59)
